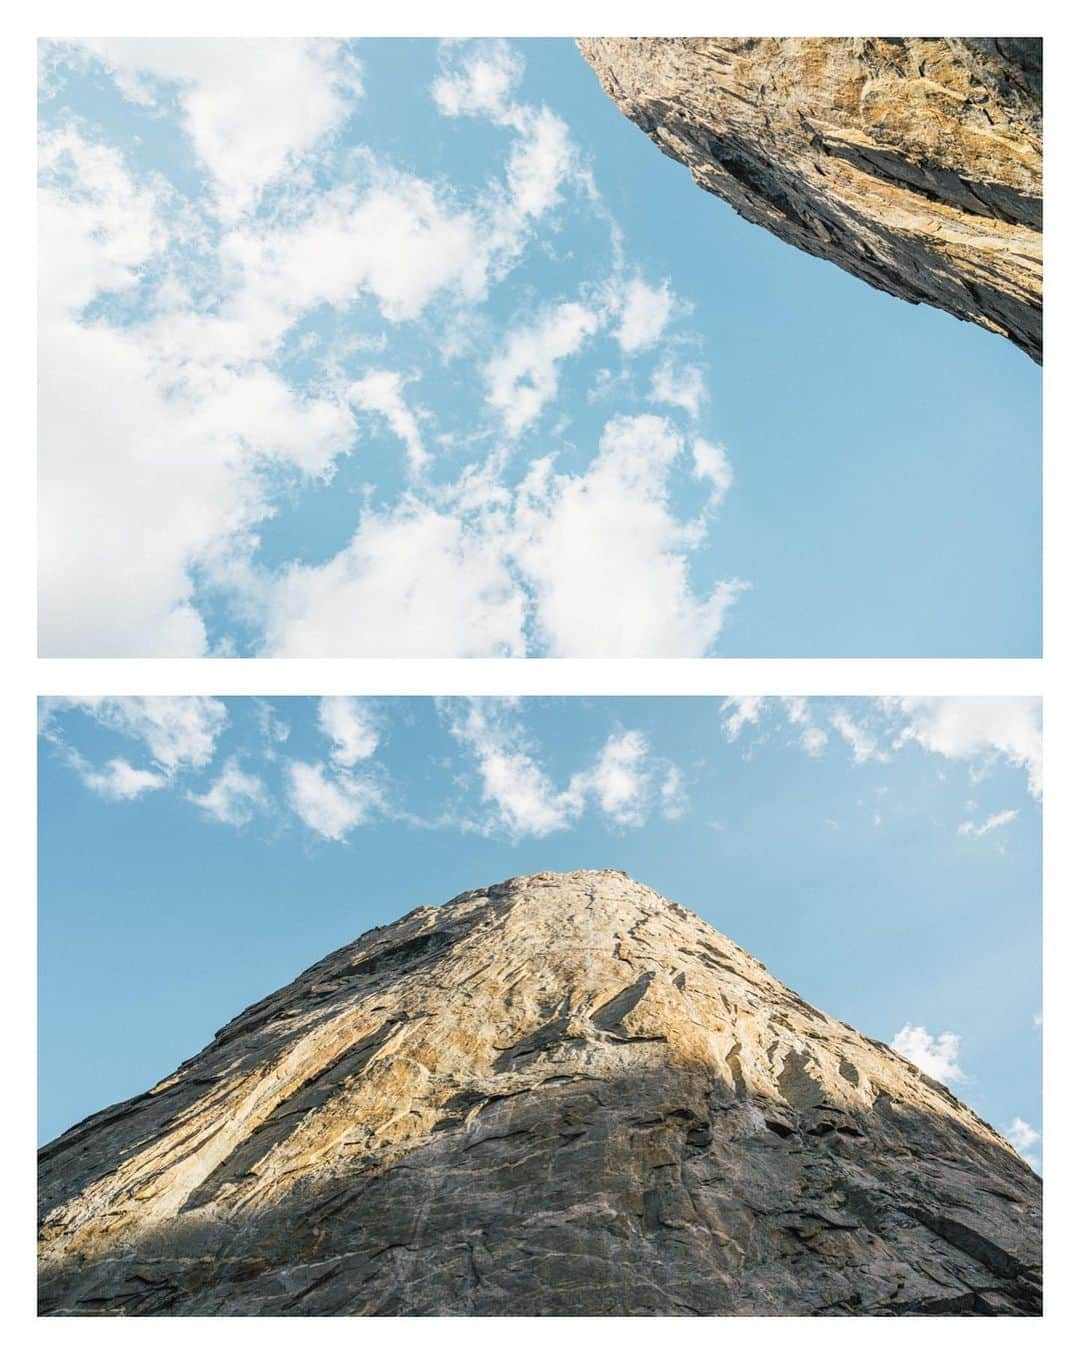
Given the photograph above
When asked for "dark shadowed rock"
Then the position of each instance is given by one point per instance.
(913, 163)
(560, 1095)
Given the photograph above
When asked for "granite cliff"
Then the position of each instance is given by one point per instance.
(913, 163)
(562, 1094)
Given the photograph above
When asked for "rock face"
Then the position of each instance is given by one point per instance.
(563, 1094)
(913, 163)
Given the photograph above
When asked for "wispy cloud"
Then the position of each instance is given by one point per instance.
(994, 822)
(233, 797)
(625, 782)
(739, 712)
(863, 745)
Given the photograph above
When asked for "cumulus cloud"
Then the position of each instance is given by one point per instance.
(712, 465)
(526, 800)
(608, 560)
(938, 1056)
(233, 797)
(1025, 1138)
(644, 315)
(352, 726)
(413, 581)
(523, 377)
(119, 781)
(741, 711)
(150, 432)
(684, 387)
(331, 804)
(199, 373)
(994, 822)
(477, 80)
(380, 391)
(230, 94)
(979, 730)
(539, 164)
(620, 778)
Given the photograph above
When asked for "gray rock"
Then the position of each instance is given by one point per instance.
(913, 163)
(563, 1094)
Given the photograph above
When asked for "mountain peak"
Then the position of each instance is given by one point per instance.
(562, 1093)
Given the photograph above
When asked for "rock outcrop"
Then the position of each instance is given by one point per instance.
(913, 163)
(563, 1094)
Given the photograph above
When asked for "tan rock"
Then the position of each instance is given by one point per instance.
(913, 163)
(563, 1094)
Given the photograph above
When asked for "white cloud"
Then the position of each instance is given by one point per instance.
(413, 581)
(1024, 1138)
(174, 424)
(118, 781)
(179, 733)
(607, 559)
(644, 316)
(994, 822)
(539, 164)
(937, 1056)
(380, 391)
(332, 805)
(97, 227)
(394, 236)
(742, 711)
(684, 388)
(811, 737)
(620, 778)
(526, 800)
(351, 725)
(478, 80)
(625, 782)
(231, 94)
(523, 377)
(863, 744)
(150, 433)
(976, 729)
(233, 797)
(713, 466)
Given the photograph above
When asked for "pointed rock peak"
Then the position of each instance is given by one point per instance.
(559, 1094)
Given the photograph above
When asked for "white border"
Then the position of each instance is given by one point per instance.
(1056, 678)
(536, 675)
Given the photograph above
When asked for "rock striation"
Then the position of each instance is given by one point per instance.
(913, 163)
(563, 1094)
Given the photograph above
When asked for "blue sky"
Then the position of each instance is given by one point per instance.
(437, 354)
(882, 857)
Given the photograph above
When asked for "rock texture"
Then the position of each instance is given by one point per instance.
(563, 1094)
(913, 163)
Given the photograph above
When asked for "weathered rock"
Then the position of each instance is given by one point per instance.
(560, 1095)
(913, 163)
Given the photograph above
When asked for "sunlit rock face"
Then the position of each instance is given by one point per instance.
(913, 163)
(563, 1094)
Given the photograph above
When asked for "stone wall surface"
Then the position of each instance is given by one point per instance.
(563, 1094)
(913, 163)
